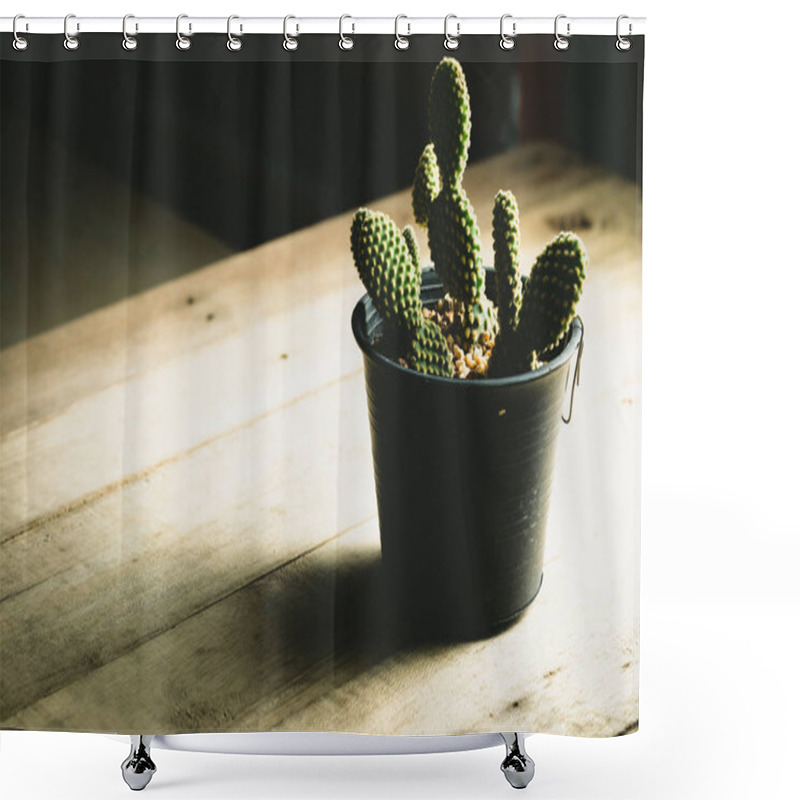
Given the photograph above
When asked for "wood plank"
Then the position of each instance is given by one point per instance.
(126, 431)
(141, 559)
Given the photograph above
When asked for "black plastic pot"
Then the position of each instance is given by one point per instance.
(462, 473)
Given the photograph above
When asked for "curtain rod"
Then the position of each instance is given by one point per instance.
(457, 26)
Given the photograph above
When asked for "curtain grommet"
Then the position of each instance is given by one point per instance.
(346, 42)
(71, 42)
(128, 42)
(401, 42)
(182, 42)
(623, 44)
(561, 42)
(451, 42)
(234, 43)
(20, 43)
(507, 42)
(290, 43)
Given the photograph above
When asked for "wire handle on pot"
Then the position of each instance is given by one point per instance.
(576, 378)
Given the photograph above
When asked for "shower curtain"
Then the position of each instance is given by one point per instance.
(320, 383)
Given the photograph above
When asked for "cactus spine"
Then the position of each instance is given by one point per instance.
(527, 324)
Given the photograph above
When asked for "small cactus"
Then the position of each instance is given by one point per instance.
(449, 120)
(426, 186)
(551, 294)
(429, 353)
(386, 268)
(413, 248)
(528, 323)
(455, 244)
(505, 233)
(388, 264)
(479, 321)
(547, 307)
(453, 234)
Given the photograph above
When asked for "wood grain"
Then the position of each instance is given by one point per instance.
(187, 511)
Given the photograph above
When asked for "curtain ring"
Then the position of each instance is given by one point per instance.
(401, 42)
(507, 42)
(623, 44)
(128, 42)
(561, 42)
(234, 42)
(289, 42)
(345, 42)
(451, 42)
(70, 42)
(20, 42)
(182, 42)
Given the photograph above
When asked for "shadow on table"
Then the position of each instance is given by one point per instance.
(345, 608)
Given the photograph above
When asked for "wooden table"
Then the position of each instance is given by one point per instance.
(189, 532)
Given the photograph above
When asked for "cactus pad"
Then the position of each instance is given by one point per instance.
(428, 352)
(552, 292)
(548, 305)
(413, 248)
(479, 321)
(505, 232)
(454, 241)
(426, 185)
(387, 268)
(449, 119)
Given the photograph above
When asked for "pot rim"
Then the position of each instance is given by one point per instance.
(358, 322)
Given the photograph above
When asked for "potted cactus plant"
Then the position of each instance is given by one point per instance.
(466, 370)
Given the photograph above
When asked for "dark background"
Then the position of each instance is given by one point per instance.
(245, 151)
